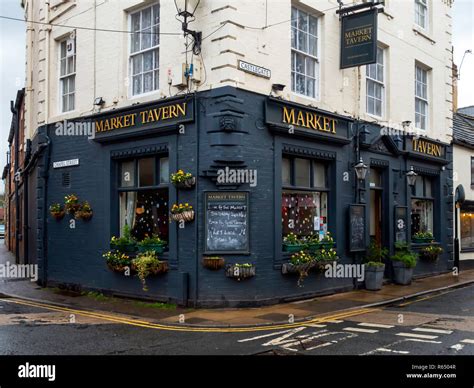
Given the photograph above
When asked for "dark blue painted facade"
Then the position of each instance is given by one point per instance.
(229, 129)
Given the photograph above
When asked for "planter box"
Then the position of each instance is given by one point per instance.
(187, 184)
(213, 264)
(289, 268)
(240, 273)
(157, 248)
(185, 216)
(401, 274)
(293, 248)
(374, 277)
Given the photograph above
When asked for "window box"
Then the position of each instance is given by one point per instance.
(213, 263)
(157, 248)
(293, 248)
(240, 271)
(425, 240)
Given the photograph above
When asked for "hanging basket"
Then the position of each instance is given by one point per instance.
(240, 273)
(289, 268)
(72, 208)
(119, 268)
(430, 257)
(84, 216)
(58, 216)
(186, 216)
(213, 263)
(187, 184)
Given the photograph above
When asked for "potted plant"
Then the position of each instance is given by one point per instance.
(423, 237)
(117, 261)
(71, 202)
(291, 243)
(84, 212)
(57, 211)
(213, 263)
(182, 213)
(240, 271)
(403, 263)
(374, 267)
(124, 244)
(147, 264)
(327, 241)
(152, 243)
(324, 257)
(300, 263)
(431, 253)
(183, 180)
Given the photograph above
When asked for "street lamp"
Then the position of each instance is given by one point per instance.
(361, 170)
(411, 177)
(186, 10)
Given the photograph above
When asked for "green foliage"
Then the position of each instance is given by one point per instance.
(424, 236)
(374, 264)
(301, 257)
(146, 264)
(126, 239)
(404, 254)
(376, 253)
(56, 208)
(326, 255)
(157, 305)
(432, 250)
(292, 239)
(151, 240)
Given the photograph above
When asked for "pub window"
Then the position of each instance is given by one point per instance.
(421, 13)
(304, 197)
(422, 205)
(304, 53)
(144, 50)
(467, 228)
(376, 85)
(144, 197)
(67, 74)
(421, 97)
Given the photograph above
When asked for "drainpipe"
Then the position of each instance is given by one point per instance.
(14, 111)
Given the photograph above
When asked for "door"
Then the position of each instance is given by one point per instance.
(376, 203)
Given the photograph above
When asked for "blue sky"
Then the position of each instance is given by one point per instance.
(12, 59)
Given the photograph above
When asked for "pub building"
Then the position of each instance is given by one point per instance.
(304, 162)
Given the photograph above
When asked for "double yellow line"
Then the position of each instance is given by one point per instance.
(157, 326)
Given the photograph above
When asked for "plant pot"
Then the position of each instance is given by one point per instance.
(129, 248)
(374, 277)
(187, 184)
(213, 264)
(240, 273)
(292, 248)
(59, 215)
(401, 274)
(84, 216)
(187, 216)
(157, 248)
(289, 268)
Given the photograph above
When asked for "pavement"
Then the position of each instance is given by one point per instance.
(321, 309)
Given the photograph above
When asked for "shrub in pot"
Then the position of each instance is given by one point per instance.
(84, 212)
(71, 203)
(403, 263)
(374, 267)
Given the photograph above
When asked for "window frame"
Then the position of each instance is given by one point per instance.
(136, 187)
(154, 49)
(424, 197)
(67, 77)
(419, 6)
(423, 100)
(377, 82)
(310, 188)
(306, 55)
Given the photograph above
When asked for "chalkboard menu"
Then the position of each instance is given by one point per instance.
(401, 224)
(227, 222)
(357, 227)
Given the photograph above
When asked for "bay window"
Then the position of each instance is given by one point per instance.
(304, 197)
(144, 197)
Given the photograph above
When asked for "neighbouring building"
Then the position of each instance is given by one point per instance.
(463, 149)
(120, 100)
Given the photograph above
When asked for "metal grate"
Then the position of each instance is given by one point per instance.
(66, 179)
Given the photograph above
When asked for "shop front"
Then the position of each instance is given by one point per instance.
(231, 182)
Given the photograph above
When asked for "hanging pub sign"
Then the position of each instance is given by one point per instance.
(359, 39)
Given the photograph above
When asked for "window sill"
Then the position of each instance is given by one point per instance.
(467, 250)
(418, 31)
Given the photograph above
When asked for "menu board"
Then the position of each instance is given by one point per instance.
(401, 223)
(357, 228)
(227, 222)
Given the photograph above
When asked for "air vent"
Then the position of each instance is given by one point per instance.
(66, 179)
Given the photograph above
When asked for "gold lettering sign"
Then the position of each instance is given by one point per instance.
(155, 115)
(358, 35)
(427, 148)
(309, 120)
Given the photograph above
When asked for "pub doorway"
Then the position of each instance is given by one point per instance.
(376, 207)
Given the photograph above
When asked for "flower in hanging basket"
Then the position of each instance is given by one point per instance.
(57, 211)
(182, 212)
(84, 212)
(431, 253)
(301, 263)
(213, 262)
(324, 257)
(147, 264)
(117, 261)
(71, 202)
(152, 243)
(183, 180)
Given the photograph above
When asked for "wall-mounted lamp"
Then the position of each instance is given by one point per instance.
(411, 177)
(406, 124)
(99, 101)
(361, 170)
(186, 10)
(278, 87)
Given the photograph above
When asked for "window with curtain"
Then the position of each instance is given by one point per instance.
(144, 50)
(304, 197)
(422, 205)
(144, 197)
(304, 53)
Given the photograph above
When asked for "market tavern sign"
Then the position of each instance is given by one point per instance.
(426, 147)
(359, 39)
(309, 120)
